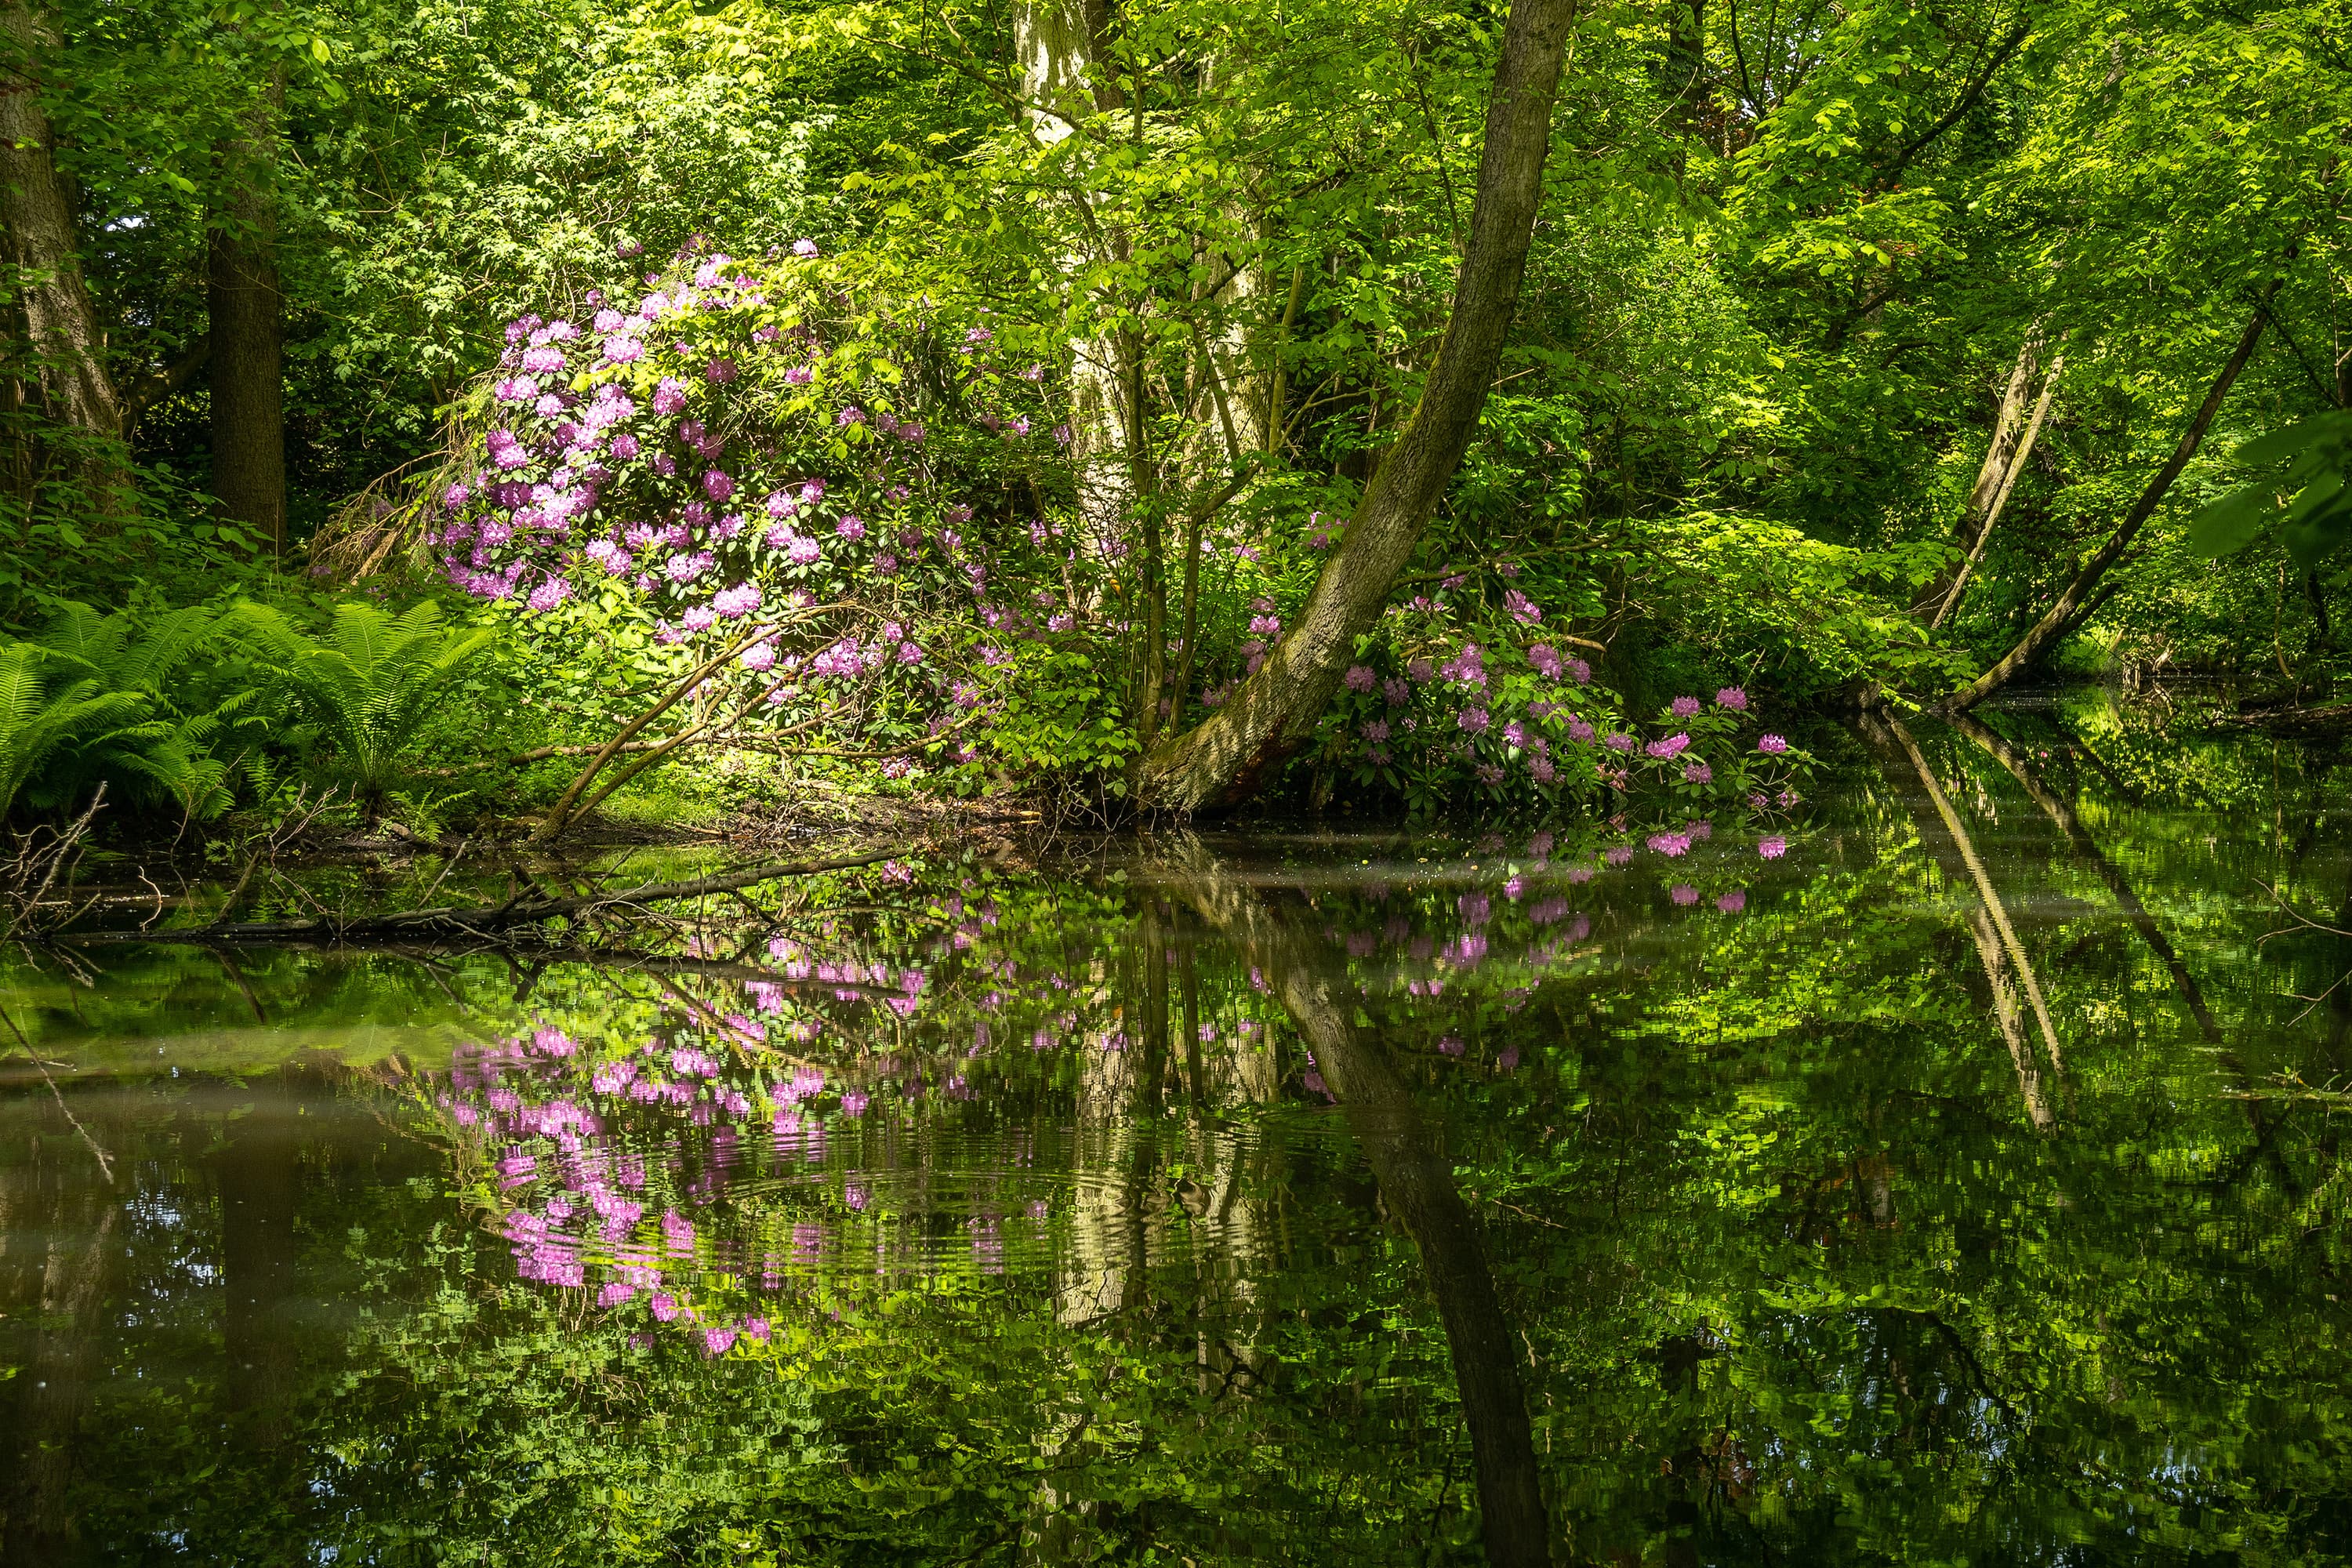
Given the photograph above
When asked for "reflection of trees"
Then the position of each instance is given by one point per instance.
(57, 1255)
(259, 1170)
(2006, 966)
(2064, 817)
(1408, 1161)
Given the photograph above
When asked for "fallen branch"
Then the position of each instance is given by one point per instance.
(477, 923)
(2308, 721)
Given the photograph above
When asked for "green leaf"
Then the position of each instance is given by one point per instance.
(2231, 523)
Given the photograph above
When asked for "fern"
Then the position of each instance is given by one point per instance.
(45, 720)
(369, 683)
(145, 746)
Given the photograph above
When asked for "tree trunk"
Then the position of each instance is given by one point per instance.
(60, 321)
(248, 392)
(2017, 462)
(1055, 42)
(1999, 458)
(2061, 614)
(1276, 710)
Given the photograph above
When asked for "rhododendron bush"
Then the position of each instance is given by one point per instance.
(732, 465)
(1467, 695)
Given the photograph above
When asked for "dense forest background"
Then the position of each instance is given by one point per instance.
(1859, 346)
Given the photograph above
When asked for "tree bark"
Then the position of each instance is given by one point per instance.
(60, 323)
(2059, 619)
(1276, 710)
(248, 346)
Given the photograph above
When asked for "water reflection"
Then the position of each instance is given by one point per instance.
(1953, 1175)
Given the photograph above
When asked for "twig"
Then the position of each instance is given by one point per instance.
(104, 1164)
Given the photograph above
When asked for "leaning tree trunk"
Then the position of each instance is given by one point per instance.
(2062, 615)
(1276, 710)
(2000, 460)
(248, 390)
(1951, 600)
(60, 323)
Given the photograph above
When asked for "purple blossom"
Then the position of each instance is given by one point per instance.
(1521, 608)
(1698, 773)
(1545, 660)
(1733, 697)
(1684, 707)
(1772, 745)
(1473, 719)
(669, 396)
(851, 526)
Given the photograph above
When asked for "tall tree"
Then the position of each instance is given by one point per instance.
(61, 326)
(1276, 709)
(248, 390)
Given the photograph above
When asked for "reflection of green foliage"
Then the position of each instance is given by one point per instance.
(1795, 1271)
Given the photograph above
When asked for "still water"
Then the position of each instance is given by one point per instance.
(1947, 1174)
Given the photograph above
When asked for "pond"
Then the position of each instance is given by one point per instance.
(1947, 1173)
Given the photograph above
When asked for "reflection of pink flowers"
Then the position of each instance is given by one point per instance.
(1773, 847)
(1683, 893)
(1732, 902)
